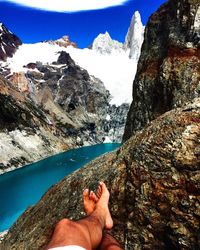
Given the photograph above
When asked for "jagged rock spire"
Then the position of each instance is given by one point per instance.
(135, 36)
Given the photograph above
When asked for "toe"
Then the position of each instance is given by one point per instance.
(86, 194)
(91, 195)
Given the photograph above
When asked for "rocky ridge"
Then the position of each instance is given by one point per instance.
(8, 43)
(168, 68)
(104, 44)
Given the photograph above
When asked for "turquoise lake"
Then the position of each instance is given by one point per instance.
(25, 186)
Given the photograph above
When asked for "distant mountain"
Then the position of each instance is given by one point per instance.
(8, 43)
(64, 41)
(105, 45)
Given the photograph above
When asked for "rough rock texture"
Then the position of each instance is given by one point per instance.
(20, 81)
(168, 72)
(154, 182)
(115, 121)
(8, 43)
(68, 93)
(26, 133)
(76, 101)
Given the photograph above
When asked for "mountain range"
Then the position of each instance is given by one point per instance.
(81, 101)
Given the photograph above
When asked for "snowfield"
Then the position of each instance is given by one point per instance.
(116, 70)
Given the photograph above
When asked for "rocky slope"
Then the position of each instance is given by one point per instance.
(68, 93)
(8, 43)
(69, 100)
(168, 69)
(26, 132)
(154, 184)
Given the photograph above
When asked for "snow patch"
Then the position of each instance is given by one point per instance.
(108, 117)
(107, 140)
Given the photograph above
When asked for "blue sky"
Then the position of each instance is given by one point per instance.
(34, 25)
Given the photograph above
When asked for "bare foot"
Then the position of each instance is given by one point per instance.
(102, 205)
(98, 201)
(89, 201)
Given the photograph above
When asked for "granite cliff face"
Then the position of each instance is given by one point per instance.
(168, 68)
(104, 44)
(154, 185)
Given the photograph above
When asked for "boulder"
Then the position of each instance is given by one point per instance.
(154, 181)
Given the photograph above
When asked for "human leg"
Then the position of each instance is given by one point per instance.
(108, 242)
(87, 232)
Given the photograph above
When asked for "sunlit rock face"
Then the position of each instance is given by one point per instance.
(168, 69)
(8, 43)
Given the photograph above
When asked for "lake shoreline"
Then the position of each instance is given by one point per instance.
(25, 186)
(3, 234)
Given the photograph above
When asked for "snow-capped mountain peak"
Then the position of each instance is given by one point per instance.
(104, 44)
(135, 36)
(8, 43)
(108, 59)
